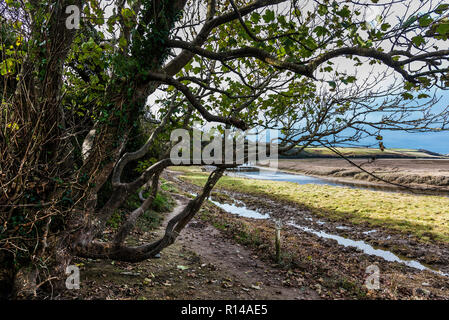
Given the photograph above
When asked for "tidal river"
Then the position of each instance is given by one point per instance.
(276, 175)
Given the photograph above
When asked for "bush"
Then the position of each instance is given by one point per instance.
(162, 203)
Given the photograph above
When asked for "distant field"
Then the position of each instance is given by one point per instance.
(365, 152)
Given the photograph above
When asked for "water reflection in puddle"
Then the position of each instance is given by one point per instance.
(367, 249)
(343, 228)
(243, 211)
(238, 208)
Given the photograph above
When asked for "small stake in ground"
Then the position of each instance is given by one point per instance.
(278, 240)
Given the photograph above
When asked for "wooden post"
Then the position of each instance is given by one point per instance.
(278, 240)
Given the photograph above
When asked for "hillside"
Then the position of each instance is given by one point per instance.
(361, 152)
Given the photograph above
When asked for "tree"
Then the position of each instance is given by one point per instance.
(75, 101)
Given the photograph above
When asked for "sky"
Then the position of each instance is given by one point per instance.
(432, 141)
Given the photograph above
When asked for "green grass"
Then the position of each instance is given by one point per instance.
(424, 216)
(167, 186)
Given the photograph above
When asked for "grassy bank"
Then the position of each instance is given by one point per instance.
(424, 216)
(419, 173)
(312, 152)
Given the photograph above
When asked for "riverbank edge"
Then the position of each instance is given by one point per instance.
(360, 179)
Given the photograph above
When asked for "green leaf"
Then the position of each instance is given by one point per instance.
(268, 16)
(3, 68)
(407, 96)
(122, 42)
(344, 13)
(255, 17)
(7, 66)
(425, 21)
(385, 26)
(127, 13)
(443, 28)
(418, 40)
(320, 30)
(322, 10)
(441, 8)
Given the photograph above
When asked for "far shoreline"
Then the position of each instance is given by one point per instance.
(412, 174)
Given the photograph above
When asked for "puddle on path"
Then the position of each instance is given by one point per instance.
(366, 248)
